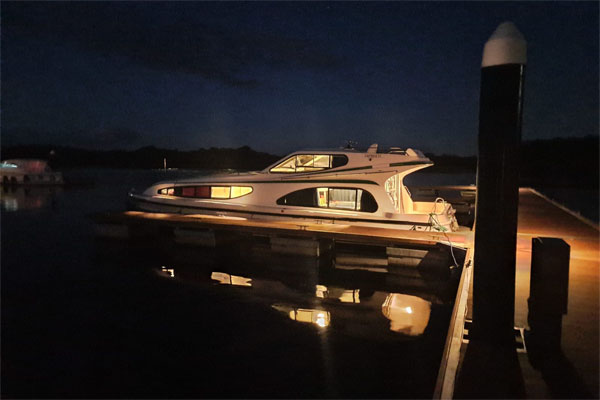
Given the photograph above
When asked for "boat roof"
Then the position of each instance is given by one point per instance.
(374, 148)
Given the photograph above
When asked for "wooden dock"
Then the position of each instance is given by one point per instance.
(131, 223)
(542, 217)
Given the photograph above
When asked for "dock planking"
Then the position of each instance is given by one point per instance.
(541, 217)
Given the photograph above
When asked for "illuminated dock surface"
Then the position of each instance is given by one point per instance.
(539, 217)
(579, 373)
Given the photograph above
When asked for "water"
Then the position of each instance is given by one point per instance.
(83, 317)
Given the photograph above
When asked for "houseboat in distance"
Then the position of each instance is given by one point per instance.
(28, 172)
(340, 186)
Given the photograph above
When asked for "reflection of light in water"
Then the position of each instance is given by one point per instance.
(343, 295)
(321, 291)
(26, 198)
(407, 314)
(321, 318)
(350, 296)
(10, 204)
(169, 271)
(226, 279)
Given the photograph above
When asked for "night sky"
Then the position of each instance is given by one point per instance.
(283, 76)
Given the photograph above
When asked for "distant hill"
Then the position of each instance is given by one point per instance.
(549, 162)
(561, 162)
(554, 162)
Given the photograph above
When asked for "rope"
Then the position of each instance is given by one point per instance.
(436, 224)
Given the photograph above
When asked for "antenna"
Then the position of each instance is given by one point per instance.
(350, 144)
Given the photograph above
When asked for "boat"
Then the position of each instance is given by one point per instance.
(341, 186)
(28, 172)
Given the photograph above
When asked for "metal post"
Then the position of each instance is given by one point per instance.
(548, 293)
(502, 73)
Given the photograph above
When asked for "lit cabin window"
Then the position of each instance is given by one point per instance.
(239, 191)
(310, 163)
(343, 198)
(220, 192)
(322, 197)
(337, 198)
(207, 192)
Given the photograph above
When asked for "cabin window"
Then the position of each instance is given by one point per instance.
(343, 198)
(207, 192)
(220, 192)
(322, 197)
(303, 198)
(392, 187)
(202, 192)
(310, 163)
(338, 160)
(239, 191)
(188, 191)
(335, 198)
(288, 166)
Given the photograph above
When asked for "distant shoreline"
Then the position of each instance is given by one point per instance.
(555, 162)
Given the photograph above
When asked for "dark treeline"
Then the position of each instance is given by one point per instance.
(548, 162)
(554, 162)
(149, 157)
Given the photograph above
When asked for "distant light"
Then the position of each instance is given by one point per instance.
(8, 165)
(10, 204)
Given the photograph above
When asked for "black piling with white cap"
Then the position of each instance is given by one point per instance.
(500, 114)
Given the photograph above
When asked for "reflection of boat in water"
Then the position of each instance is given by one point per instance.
(326, 186)
(28, 172)
(15, 198)
(318, 317)
(407, 314)
(228, 279)
(333, 306)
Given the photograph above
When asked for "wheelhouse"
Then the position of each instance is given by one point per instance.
(309, 163)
